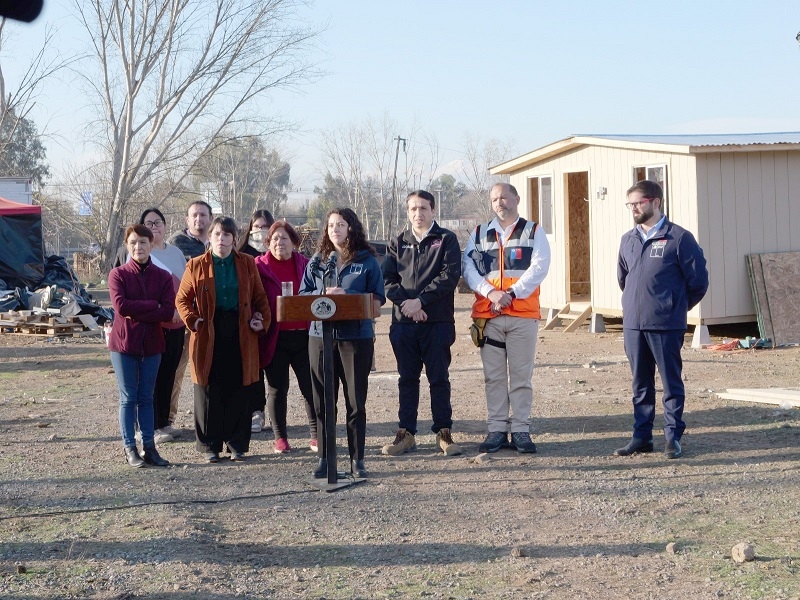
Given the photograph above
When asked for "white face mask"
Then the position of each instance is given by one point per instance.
(257, 242)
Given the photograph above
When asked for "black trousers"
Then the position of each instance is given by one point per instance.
(352, 361)
(222, 408)
(290, 351)
(165, 380)
(415, 345)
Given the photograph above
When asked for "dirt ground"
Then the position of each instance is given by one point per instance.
(569, 522)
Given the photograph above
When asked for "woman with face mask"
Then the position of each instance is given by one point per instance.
(222, 301)
(255, 240)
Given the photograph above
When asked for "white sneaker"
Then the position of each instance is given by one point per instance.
(258, 422)
(160, 436)
(173, 431)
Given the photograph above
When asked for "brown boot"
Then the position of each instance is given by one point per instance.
(403, 442)
(446, 444)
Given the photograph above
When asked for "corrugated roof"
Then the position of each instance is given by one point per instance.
(715, 139)
(683, 144)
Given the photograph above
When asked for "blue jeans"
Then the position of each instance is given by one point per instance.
(136, 378)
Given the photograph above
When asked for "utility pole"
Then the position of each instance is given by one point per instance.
(398, 139)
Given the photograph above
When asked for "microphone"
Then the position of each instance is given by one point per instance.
(314, 263)
(330, 269)
(332, 259)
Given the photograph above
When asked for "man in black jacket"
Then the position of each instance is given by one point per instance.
(421, 273)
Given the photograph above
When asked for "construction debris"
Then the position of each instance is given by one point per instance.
(29, 322)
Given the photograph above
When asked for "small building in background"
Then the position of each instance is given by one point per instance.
(738, 194)
(17, 189)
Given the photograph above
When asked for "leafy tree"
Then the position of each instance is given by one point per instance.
(242, 175)
(448, 192)
(22, 153)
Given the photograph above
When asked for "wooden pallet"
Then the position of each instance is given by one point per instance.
(26, 322)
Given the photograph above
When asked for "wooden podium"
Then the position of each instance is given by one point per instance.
(336, 307)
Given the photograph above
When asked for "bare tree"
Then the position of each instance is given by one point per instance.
(479, 157)
(361, 155)
(16, 104)
(177, 77)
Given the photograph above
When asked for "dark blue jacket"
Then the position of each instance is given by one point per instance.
(661, 279)
(362, 275)
(428, 270)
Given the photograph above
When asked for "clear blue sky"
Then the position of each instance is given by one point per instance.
(532, 71)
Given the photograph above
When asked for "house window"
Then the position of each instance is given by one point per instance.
(657, 174)
(540, 192)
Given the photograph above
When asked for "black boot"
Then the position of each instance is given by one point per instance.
(152, 457)
(133, 458)
(322, 469)
(358, 469)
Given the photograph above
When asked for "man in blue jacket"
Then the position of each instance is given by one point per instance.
(662, 274)
(421, 273)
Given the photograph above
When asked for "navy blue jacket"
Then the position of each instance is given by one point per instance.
(428, 270)
(661, 279)
(362, 275)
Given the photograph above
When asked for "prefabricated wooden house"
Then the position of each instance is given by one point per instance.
(738, 194)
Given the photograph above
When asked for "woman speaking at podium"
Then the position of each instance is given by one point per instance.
(347, 266)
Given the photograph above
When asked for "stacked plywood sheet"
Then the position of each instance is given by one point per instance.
(43, 323)
(775, 285)
(764, 396)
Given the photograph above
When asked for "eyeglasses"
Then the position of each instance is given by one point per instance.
(638, 204)
(259, 228)
(151, 224)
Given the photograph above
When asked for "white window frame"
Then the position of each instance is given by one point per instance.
(664, 184)
(549, 226)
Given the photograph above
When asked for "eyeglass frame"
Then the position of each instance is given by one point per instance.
(644, 200)
(156, 223)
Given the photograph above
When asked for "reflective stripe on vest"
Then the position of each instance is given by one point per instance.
(502, 265)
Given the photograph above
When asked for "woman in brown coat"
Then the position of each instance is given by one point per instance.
(223, 303)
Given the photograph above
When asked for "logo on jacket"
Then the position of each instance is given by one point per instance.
(323, 308)
(356, 268)
(657, 249)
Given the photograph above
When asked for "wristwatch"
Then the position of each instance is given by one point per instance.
(511, 293)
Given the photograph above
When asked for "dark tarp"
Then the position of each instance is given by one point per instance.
(21, 256)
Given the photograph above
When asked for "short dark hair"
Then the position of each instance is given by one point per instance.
(425, 195)
(227, 224)
(153, 210)
(201, 203)
(649, 189)
(139, 230)
(290, 231)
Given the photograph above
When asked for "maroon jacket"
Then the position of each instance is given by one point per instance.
(142, 298)
(267, 343)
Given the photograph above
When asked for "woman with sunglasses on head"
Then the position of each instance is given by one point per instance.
(143, 297)
(171, 259)
(356, 271)
(222, 301)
